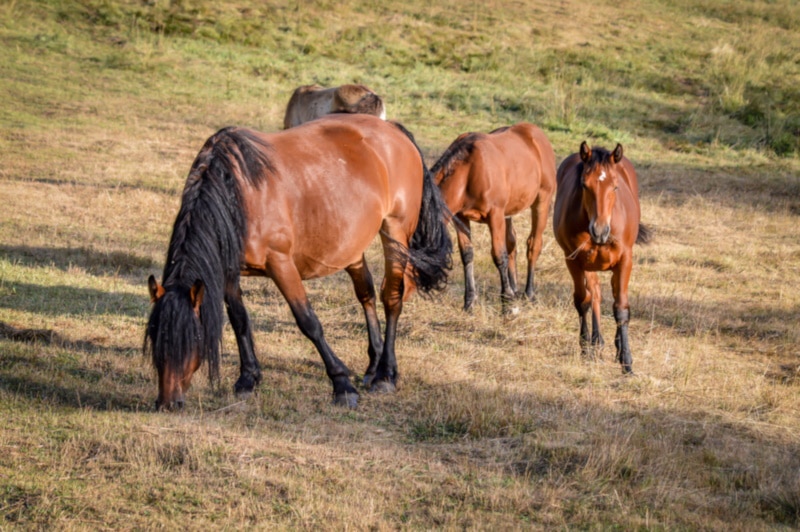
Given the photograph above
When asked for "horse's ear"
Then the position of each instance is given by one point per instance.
(155, 289)
(616, 155)
(196, 293)
(586, 152)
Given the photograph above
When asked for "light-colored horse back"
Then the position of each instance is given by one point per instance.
(310, 102)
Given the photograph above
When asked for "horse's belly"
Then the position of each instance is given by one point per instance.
(332, 248)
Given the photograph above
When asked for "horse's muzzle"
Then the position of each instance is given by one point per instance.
(599, 233)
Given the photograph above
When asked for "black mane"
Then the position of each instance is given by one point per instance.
(458, 151)
(206, 244)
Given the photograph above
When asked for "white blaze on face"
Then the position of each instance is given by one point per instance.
(602, 176)
(383, 113)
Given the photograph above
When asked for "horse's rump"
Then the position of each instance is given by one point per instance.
(507, 167)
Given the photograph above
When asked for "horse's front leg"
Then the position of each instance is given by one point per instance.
(497, 228)
(289, 282)
(593, 286)
(619, 284)
(582, 299)
(249, 369)
(467, 253)
(365, 292)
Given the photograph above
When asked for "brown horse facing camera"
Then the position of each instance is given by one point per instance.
(487, 179)
(310, 102)
(294, 205)
(596, 223)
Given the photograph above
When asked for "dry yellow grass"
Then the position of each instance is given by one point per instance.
(498, 422)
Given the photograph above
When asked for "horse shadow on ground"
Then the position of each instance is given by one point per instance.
(537, 436)
(33, 378)
(61, 300)
(92, 261)
(768, 190)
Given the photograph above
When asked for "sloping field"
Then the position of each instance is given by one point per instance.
(498, 422)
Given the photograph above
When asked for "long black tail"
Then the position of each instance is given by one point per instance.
(431, 249)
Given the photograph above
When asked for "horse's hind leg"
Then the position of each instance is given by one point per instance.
(511, 249)
(386, 374)
(539, 212)
(619, 285)
(288, 280)
(249, 369)
(497, 228)
(467, 257)
(365, 292)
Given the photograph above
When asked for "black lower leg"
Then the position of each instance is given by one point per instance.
(501, 262)
(467, 256)
(249, 369)
(622, 317)
(597, 337)
(529, 291)
(585, 340)
(338, 373)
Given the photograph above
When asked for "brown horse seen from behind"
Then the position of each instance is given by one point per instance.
(596, 221)
(295, 205)
(310, 102)
(487, 178)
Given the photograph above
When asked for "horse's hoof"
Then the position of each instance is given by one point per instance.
(383, 386)
(244, 386)
(627, 370)
(368, 380)
(346, 399)
(243, 395)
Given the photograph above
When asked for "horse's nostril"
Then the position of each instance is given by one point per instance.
(179, 404)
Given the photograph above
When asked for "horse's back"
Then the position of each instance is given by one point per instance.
(310, 102)
(522, 155)
(541, 146)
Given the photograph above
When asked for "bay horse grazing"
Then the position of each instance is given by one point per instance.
(294, 205)
(596, 223)
(310, 102)
(487, 178)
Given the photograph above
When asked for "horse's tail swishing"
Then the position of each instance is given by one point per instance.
(645, 234)
(430, 249)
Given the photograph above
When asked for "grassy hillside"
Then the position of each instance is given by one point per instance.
(498, 422)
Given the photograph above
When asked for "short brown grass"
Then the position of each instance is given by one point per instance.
(498, 423)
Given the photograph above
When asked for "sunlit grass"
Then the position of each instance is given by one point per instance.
(498, 423)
